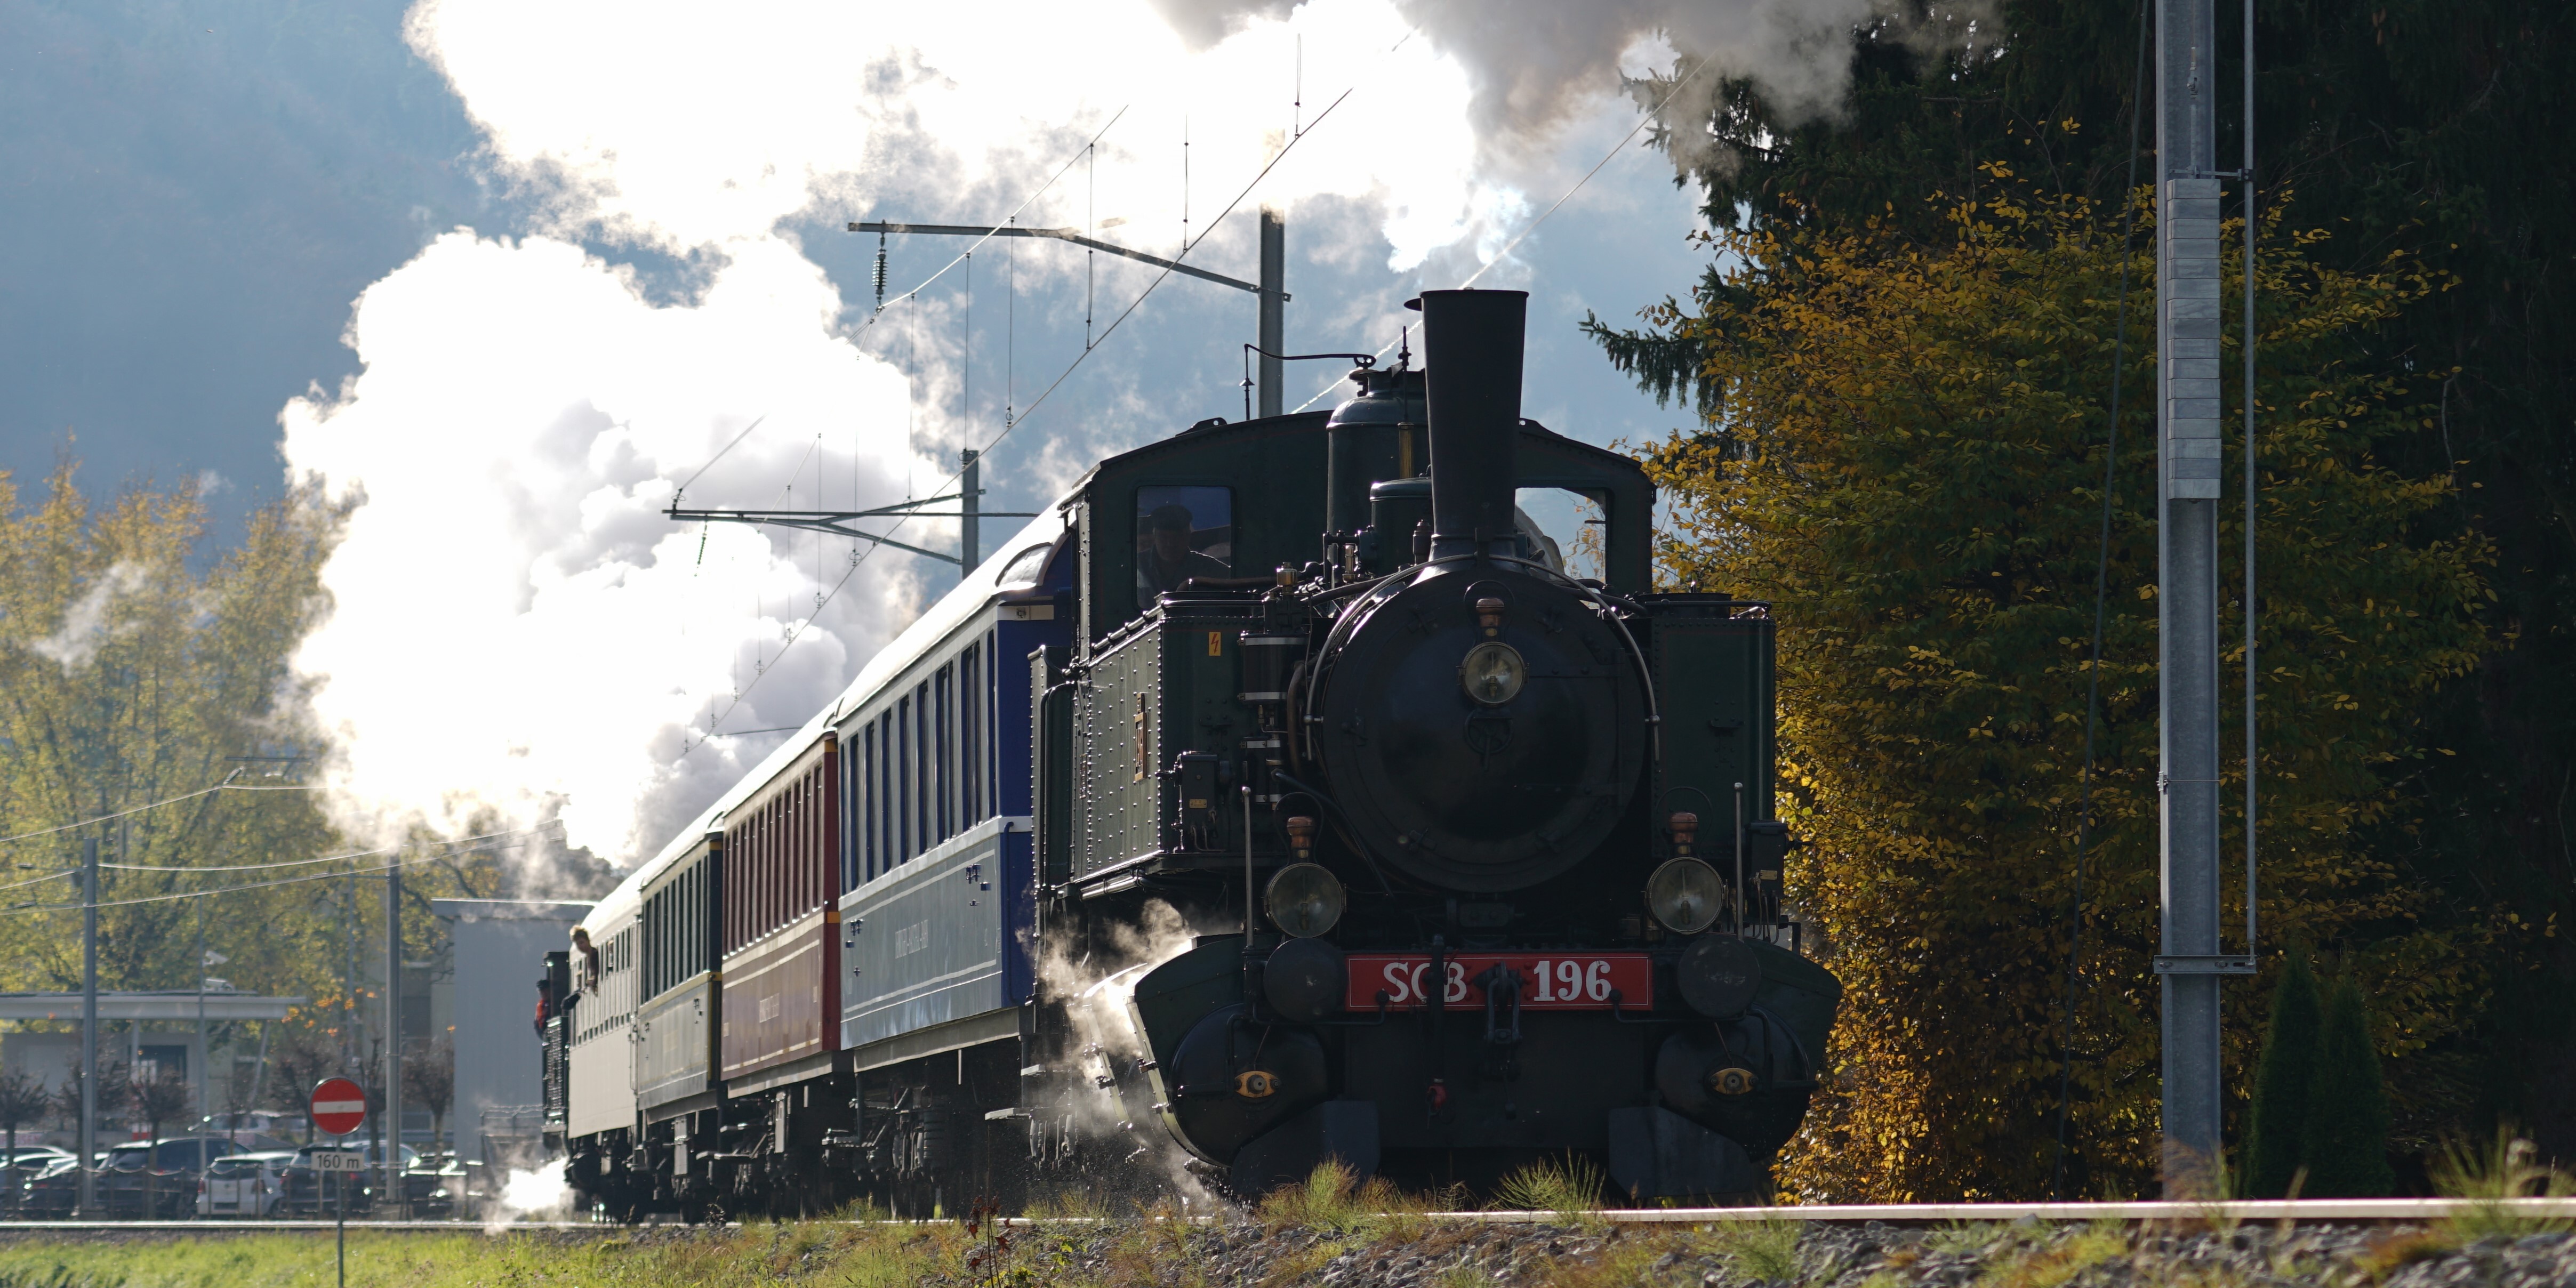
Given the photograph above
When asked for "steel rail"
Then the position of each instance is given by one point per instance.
(2345, 1211)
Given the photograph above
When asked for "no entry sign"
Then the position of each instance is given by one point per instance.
(339, 1107)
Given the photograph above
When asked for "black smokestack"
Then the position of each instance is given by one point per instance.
(1471, 350)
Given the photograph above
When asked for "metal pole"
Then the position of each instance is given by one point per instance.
(2187, 469)
(393, 1037)
(1741, 901)
(1274, 274)
(970, 489)
(2248, 350)
(204, 1071)
(1247, 869)
(89, 1028)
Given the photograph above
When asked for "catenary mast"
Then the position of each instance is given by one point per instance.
(2187, 476)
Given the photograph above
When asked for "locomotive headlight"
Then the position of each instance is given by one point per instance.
(1493, 673)
(1684, 894)
(1305, 899)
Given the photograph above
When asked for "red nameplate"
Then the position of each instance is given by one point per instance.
(1549, 981)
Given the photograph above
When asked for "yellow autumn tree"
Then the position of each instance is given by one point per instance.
(1904, 451)
(148, 683)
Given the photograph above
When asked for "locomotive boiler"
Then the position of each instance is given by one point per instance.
(1179, 841)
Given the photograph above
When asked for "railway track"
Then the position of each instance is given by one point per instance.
(2302, 1211)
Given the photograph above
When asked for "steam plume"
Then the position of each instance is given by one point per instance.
(514, 624)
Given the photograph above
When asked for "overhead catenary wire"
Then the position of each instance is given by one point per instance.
(1034, 403)
(1651, 115)
(924, 283)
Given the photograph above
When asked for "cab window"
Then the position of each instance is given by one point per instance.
(1182, 532)
(1563, 528)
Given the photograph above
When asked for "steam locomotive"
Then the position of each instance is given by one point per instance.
(1173, 849)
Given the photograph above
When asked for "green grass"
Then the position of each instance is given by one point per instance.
(754, 1255)
(1961, 1238)
(2509, 1168)
(2051, 1264)
(1568, 1188)
(1766, 1249)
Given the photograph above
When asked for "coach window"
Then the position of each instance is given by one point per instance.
(902, 780)
(1181, 532)
(969, 745)
(921, 787)
(865, 802)
(992, 725)
(944, 745)
(887, 796)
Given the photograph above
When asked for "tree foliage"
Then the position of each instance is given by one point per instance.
(2347, 1131)
(1906, 456)
(148, 683)
(2443, 130)
(2277, 1120)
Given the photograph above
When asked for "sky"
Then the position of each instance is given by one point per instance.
(510, 274)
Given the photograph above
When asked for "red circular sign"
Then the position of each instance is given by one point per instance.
(339, 1107)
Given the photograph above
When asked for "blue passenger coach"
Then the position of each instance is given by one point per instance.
(936, 854)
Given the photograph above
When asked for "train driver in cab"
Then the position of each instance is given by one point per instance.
(1167, 559)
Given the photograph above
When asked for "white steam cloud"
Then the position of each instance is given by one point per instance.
(515, 624)
(1533, 64)
(87, 623)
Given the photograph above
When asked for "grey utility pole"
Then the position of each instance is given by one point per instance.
(393, 1034)
(89, 1028)
(200, 1064)
(1274, 275)
(2187, 473)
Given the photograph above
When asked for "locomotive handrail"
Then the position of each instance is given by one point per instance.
(1348, 621)
(1382, 1002)
(1645, 668)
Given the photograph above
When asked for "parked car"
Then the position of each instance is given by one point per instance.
(258, 1129)
(25, 1165)
(141, 1180)
(309, 1193)
(436, 1184)
(244, 1185)
(52, 1191)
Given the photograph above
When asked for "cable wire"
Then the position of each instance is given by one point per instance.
(110, 818)
(1615, 149)
(283, 881)
(1652, 114)
(1034, 403)
(918, 287)
(50, 876)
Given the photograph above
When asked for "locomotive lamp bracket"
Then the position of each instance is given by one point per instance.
(2219, 964)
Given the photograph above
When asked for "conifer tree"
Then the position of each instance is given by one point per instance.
(1907, 463)
(2278, 1135)
(2347, 1130)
